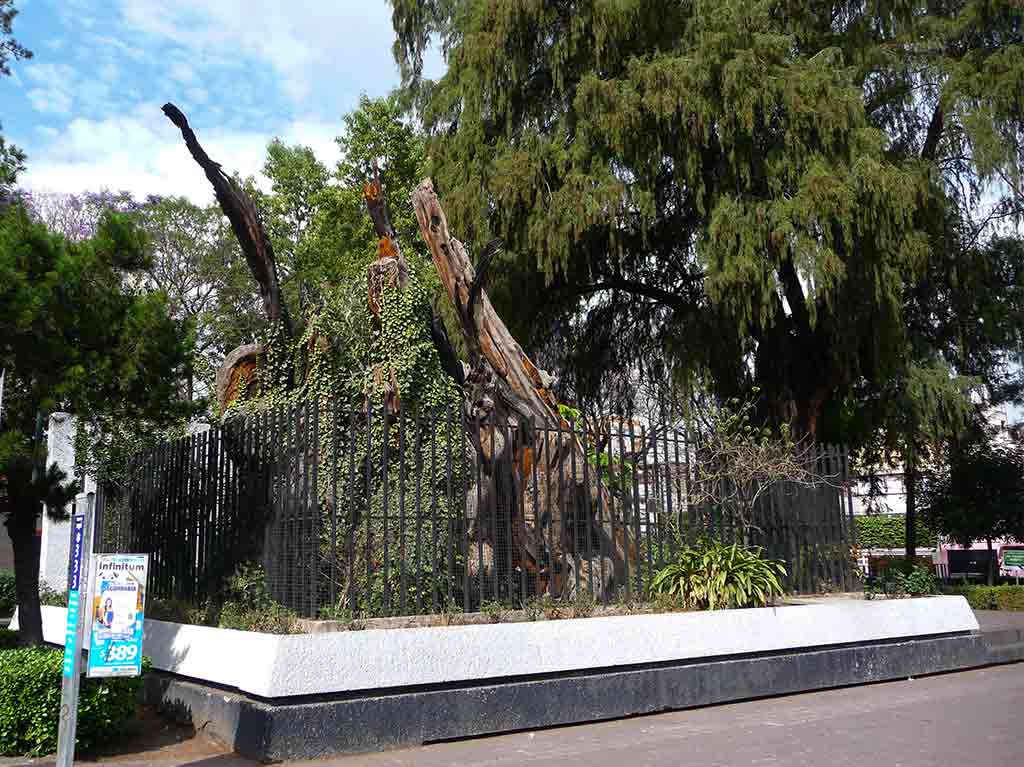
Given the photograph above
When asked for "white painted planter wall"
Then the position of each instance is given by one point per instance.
(271, 666)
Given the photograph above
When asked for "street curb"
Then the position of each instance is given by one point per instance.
(320, 726)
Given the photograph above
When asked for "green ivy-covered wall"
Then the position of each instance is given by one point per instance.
(885, 531)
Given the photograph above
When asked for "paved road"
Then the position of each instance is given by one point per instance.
(969, 718)
(974, 717)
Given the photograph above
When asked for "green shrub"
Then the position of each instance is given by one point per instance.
(894, 582)
(495, 610)
(543, 607)
(583, 604)
(978, 597)
(249, 607)
(8, 595)
(713, 576)
(269, 619)
(1009, 597)
(920, 581)
(883, 531)
(991, 597)
(878, 565)
(8, 639)
(177, 611)
(30, 686)
(51, 598)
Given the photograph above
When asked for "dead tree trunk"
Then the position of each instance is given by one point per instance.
(259, 255)
(389, 270)
(505, 389)
(247, 361)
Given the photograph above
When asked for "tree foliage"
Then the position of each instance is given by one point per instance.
(196, 262)
(772, 175)
(978, 494)
(342, 241)
(76, 334)
(12, 159)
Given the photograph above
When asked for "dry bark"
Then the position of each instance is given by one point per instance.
(389, 270)
(245, 221)
(241, 363)
(514, 422)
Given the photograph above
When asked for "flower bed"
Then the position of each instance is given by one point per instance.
(272, 666)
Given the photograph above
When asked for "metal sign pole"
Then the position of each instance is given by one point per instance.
(78, 591)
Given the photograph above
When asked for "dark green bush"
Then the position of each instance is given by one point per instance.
(272, 618)
(8, 596)
(920, 581)
(30, 684)
(991, 597)
(247, 606)
(8, 639)
(895, 582)
(879, 565)
(1009, 597)
(178, 611)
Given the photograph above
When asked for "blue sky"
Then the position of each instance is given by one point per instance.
(86, 108)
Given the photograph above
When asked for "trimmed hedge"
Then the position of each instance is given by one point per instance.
(30, 682)
(8, 596)
(882, 531)
(991, 597)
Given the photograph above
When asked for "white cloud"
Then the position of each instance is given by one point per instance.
(60, 86)
(109, 72)
(50, 101)
(227, 63)
(144, 154)
(323, 54)
(197, 95)
(182, 72)
(107, 42)
(49, 74)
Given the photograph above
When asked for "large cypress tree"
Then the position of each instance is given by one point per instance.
(750, 186)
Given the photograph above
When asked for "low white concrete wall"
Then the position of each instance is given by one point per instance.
(276, 666)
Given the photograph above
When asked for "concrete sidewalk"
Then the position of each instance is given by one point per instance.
(972, 717)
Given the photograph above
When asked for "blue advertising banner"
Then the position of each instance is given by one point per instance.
(74, 599)
(117, 613)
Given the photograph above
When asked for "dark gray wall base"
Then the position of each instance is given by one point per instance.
(271, 731)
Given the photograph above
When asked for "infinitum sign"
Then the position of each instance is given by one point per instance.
(116, 614)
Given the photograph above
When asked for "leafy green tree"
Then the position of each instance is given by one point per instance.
(298, 183)
(911, 420)
(12, 159)
(75, 216)
(979, 493)
(195, 261)
(342, 242)
(76, 334)
(747, 187)
(964, 318)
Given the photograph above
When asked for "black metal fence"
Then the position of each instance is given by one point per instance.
(372, 514)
